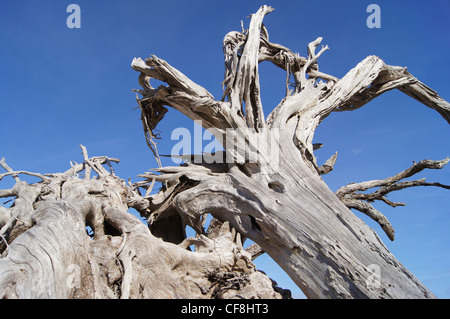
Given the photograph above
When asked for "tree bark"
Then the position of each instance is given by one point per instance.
(269, 188)
(47, 252)
(295, 218)
(266, 186)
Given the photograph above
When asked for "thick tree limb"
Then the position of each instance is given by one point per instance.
(394, 77)
(6, 192)
(246, 84)
(367, 80)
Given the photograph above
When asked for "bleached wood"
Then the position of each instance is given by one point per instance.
(361, 201)
(287, 209)
(51, 255)
(283, 205)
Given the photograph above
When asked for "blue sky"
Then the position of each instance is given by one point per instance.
(63, 87)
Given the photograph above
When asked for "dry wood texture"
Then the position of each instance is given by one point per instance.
(266, 187)
(47, 252)
(282, 203)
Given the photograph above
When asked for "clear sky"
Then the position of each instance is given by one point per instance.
(63, 87)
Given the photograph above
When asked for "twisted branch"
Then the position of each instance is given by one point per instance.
(360, 201)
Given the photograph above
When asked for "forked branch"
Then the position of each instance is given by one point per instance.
(350, 194)
(308, 104)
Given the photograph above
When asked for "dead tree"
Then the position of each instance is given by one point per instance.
(269, 187)
(48, 253)
(266, 186)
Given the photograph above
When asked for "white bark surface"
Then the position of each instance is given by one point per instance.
(286, 209)
(47, 252)
(279, 202)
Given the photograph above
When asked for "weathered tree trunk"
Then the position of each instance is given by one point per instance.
(266, 186)
(269, 187)
(47, 253)
(294, 217)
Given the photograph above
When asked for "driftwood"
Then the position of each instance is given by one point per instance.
(270, 188)
(265, 186)
(47, 252)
